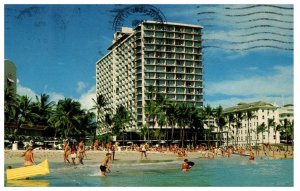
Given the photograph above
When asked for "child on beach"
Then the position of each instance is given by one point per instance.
(104, 168)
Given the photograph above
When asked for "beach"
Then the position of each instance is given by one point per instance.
(13, 157)
(56, 156)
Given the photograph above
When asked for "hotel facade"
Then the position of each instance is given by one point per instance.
(166, 57)
(262, 113)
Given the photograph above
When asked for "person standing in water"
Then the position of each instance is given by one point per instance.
(73, 153)
(104, 168)
(143, 150)
(185, 165)
(81, 152)
(67, 152)
(28, 157)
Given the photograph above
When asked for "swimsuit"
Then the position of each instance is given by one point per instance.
(103, 168)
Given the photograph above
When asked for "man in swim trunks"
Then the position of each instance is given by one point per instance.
(104, 168)
(28, 157)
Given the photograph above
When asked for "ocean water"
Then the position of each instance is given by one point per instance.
(234, 172)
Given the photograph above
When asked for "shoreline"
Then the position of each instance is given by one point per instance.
(56, 156)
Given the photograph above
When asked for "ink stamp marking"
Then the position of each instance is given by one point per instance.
(136, 14)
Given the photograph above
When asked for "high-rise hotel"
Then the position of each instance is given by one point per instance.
(166, 57)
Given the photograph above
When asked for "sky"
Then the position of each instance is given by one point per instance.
(247, 49)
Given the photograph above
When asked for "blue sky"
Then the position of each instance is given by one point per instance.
(247, 54)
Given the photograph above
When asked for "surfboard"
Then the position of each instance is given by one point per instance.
(29, 171)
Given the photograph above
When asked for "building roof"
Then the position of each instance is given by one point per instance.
(170, 23)
(249, 106)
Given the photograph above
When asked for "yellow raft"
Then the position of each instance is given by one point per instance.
(29, 171)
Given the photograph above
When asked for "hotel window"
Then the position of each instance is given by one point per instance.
(169, 48)
(170, 69)
(170, 83)
(180, 83)
(169, 41)
(169, 35)
(263, 117)
(179, 62)
(188, 63)
(170, 62)
(188, 43)
(149, 40)
(179, 42)
(179, 76)
(199, 98)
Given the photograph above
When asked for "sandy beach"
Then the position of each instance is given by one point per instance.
(56, 156)
(13, 157)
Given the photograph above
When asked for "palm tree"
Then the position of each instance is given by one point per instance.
(260, 129)
(271, 123)
(197, 123)
(238, 117)
(100, 104)
(287, 129)
(66, 117)
(171, 110)
(121, 119)
(208, 113)
(162, 121)
(45, 108)
(220, 121)
(249, 115)
(231, 119)
(142, 132)
(26, 114)
(10, 105)
(183, 119)
(151, 111)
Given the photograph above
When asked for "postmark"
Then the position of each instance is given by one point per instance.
(133, 15)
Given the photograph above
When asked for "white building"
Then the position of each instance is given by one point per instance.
(163, 56)
(263, 113)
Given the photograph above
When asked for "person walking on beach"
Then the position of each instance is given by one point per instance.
(28, 157)
(96, 145)
(81, 152)
(104, 168)
(113, 150)
(143, 151)
(251, 156)
(73, 153)
(67, 152)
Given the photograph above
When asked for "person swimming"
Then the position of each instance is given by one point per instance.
(185, 165)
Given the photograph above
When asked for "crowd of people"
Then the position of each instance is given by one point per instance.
(78, 151)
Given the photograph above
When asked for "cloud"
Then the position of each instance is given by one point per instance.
(277, 86)
(86, 98)
(55, 96)
(80, 86)
(26, 91)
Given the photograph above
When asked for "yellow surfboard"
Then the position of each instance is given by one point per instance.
(29, 171)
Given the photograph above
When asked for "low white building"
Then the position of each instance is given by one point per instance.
(263, 114)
